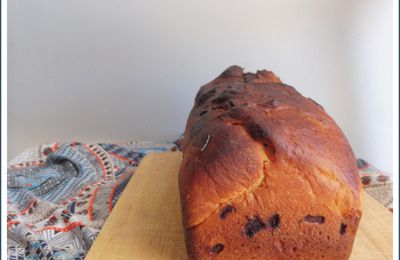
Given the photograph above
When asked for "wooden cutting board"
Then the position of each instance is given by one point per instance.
(146, 221)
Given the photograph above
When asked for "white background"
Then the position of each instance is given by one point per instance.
(107, 71)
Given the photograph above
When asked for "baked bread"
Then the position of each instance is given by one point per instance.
(266, 174)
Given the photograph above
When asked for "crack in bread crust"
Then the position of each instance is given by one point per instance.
(260, 183)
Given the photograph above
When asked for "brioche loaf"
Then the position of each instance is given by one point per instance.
(266, 174)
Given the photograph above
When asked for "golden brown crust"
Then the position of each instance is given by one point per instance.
(266, 173)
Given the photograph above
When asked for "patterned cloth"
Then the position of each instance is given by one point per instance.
(376, 183)
(59, 195)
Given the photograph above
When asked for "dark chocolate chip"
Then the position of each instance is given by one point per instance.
(253, 226)
(216, 249)
(224, 106)
(274, 221)
(226, 210)
(342, 228)
(231, 92)
(203, 112)
(314, 219)
(221, 99)
(256, 131)
(202, 98)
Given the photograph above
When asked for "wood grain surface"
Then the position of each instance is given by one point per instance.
(146, 221)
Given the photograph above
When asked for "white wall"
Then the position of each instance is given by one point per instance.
(99, 70)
